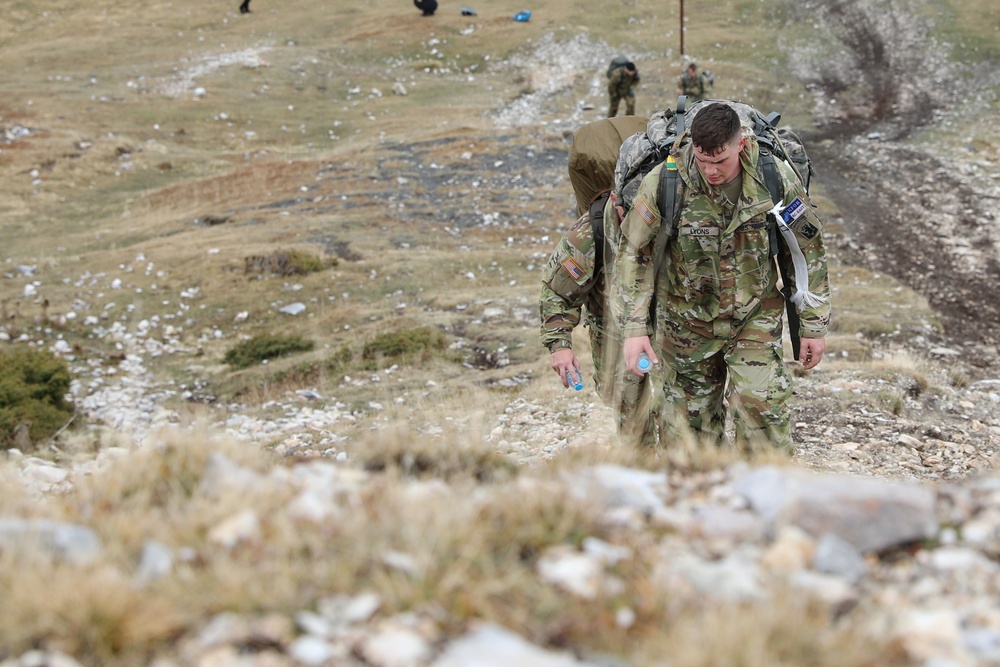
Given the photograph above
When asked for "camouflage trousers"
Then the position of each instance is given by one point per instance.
(628, 395)
(700, 376)
(616, 100)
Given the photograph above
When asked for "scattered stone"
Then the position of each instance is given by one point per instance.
(296, 308)
(63, 542)
(489, 645)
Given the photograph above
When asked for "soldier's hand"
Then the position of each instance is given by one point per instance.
(619, 209)
(634, 347)
(563, 361)
(811, 351)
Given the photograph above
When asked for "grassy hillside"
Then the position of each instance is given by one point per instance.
(168, 147)
(175, 173)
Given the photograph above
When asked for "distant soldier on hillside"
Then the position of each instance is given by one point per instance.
(696, 85)
(622, 80)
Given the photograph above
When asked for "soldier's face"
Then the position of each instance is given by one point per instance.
(722, 166)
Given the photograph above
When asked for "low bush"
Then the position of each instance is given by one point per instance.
(286, 263)
(415, 343)
(265, 346)
(33, 396)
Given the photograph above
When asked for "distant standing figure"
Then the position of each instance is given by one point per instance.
(621, 84)
(428, 7)
(694, 84)
(245, 7)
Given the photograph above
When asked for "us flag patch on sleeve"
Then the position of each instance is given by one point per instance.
(573, 269)
(644, 212)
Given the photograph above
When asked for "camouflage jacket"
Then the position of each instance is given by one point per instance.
(694, 87)
(571, 280)
(622, 84)
(717, 267)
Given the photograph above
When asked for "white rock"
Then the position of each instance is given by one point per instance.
(574, 572)
(312, 651)
(490, 645)
(239, 528)
(312, 505)
(38, 658)
(296, 308)
(156, 561)
(394, 647)
(47, 474)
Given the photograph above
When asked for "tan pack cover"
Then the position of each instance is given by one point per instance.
(594, 154)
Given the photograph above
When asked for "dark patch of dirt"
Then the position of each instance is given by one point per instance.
(919, 219)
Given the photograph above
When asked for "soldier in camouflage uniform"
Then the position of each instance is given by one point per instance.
(717, 305)
(621, 85)
(574, 279)
(693, 84)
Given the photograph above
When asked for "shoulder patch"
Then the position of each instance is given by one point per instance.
(793, 211)
(643, 211)
(806, 228)
(573, 269)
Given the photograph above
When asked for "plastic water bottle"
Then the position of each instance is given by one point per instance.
(644, 364)
(578, 384)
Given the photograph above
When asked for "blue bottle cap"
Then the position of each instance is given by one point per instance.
(644, 364)
(576, 384)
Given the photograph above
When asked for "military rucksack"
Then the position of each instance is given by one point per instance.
(644, 150)
(617, 62)
(593, 156)
(616, 153)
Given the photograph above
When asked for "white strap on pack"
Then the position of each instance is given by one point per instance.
(802, 297)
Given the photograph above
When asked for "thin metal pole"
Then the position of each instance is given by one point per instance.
(682, 27)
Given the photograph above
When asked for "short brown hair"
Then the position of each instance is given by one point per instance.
(714, 127)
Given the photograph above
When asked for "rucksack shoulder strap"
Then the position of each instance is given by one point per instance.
(596, 213)
(769, 170)
(679, 116)
(667, 200)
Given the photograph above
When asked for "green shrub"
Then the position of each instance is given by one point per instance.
(301, 263)
(265, 346)
(890, 401)
(33, 404)
(286, 263)
(958, 379)
(410, 343)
